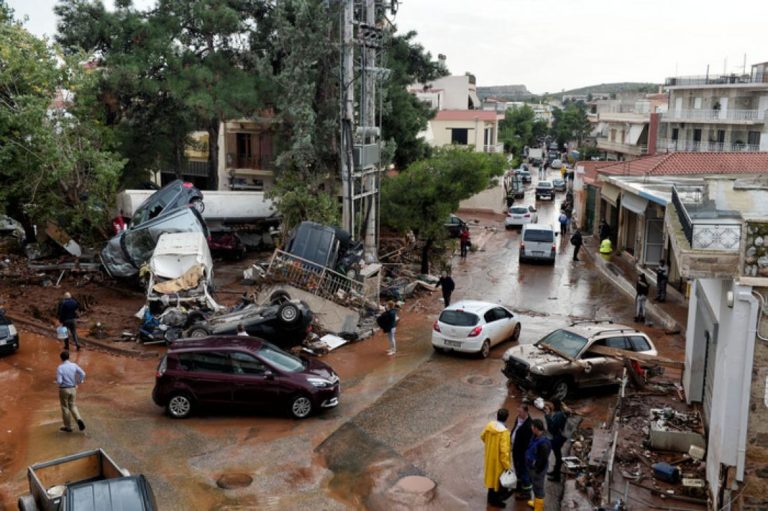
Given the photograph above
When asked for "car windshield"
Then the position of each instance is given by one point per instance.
(280, 359)
(544, 184)
(519, 211)
(565, 342)
(459, 318)
(538, 235)
(558, 181)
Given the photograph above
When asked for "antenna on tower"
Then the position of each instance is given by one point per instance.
(744, 65)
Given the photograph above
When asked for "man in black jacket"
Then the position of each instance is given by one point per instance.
(447, 284)
(537, 458)
(67, 313)
(521, 437)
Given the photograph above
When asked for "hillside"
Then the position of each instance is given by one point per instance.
(521, 92)
(508, 92)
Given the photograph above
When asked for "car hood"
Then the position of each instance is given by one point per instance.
(317, 368)
(533, 355)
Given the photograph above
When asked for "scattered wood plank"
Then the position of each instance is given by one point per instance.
(639, 357)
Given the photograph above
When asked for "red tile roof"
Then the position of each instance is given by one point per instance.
(684, 163)
(590, 169)
(468, 115)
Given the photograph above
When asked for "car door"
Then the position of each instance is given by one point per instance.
(491, 327)
(208, 374)
(504, 324)
(604, 370)
(254, 381)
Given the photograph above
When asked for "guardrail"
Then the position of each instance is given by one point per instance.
(714, 80)
(608, 145)
(682, 215)
(715, 115)
(716, 147)
(315, 278)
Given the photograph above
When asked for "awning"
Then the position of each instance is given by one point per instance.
(634, 133)
(610, 193)
(634, 203)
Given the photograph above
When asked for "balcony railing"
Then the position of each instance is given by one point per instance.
(497, 148)
(608, 145)
(245, 161)
(715, 115)
(714, 80)
(682, 215)
(723, 235)
(716, 147)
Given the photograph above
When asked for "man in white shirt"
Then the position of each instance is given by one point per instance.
(68, 376)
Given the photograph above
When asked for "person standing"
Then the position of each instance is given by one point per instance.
(556, 419)
(464, 242)
(521, 438)
(662, 277)
(447, 285)
(68, 376)
(67, 312)
(496, 438)
(563, 223)
(537, 459)
(606, 249)
(605, 230)
(387, 321)
(577, 241)
(641, 298)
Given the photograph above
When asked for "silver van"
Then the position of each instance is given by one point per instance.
(537, 243)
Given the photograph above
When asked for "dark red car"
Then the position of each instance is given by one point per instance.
(241, 371)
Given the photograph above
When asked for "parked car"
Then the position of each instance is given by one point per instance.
(471, 326)
(537, 243)
(241, 371)
(124, 254)
(9, 336)
(557, 163)
(524, 174)
(520, 215)
(285, 323)
(326, 247)
(561, 361)
(558, 184)
(454, 225)
(545, 190)
(175, 194)
(85, 481)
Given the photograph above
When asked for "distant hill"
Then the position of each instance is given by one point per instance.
(507, 92)
(521, 92)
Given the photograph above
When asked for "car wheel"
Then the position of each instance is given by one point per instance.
(516, 333)
(301, 407)
(279, 297)
(485, 349)
(179, 406)
(560, 389)
(289, 313)
(438, 349)
(198, 331)
(172, 334)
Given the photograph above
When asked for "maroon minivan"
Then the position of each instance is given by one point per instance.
(243, 371)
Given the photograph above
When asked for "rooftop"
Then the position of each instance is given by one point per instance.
(693, 163)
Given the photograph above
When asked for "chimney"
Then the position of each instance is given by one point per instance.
(653, 133)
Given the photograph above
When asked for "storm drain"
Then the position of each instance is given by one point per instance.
(483, 381)
(234, 480)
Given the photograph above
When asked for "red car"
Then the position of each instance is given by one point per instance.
(241, 371)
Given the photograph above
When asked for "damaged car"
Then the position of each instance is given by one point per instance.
(181, 271)
(326, 247)
(562, 362)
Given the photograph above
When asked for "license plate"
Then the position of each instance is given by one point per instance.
(537, 253)
(453, 344)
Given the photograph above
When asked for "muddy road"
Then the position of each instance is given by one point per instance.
(418, 412)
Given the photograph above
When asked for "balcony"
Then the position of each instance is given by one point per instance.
(693, 81)
(247, 161)
(715, 116)
(696, 147)
(497, 148)
(617, 147)
(705, 242)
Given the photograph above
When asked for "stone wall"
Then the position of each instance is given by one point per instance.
(756, 250)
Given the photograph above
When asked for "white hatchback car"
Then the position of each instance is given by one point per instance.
(471, 326)
(521, 215)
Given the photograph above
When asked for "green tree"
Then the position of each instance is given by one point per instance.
(403, 115)
(571, 123)
(422, 197)
(56, 157)
(520, 128)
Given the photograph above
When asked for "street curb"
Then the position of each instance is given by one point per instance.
(47, 330)
(654, 311)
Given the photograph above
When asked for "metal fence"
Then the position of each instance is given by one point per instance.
(316, 279)
(682, 215)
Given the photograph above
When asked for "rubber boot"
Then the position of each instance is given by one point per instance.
(538, 504)
(531, 503)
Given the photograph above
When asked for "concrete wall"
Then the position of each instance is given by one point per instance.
(492, 200)
(455, 91)
(441, 132)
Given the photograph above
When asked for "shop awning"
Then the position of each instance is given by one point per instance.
(610, 193)
(634, 203)
(634, 133)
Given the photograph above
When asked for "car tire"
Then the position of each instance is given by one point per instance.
(438, 349)
(289, 314)
(27, 503)
(560, 389)
(279, 297)
(301, 406)
(516, 333)
(485, 349)
(179, 406)
(172, 334)
(198, 331)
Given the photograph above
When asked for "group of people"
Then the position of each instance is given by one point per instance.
(525, 449)
(642, 288)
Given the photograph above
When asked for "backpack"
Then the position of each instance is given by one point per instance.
(563, 218)
(574, 238)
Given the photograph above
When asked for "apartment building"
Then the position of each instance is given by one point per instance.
(626, 128)
(716, 112)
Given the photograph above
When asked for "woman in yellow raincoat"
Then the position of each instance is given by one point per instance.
(496, 438)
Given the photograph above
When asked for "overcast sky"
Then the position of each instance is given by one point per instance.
(551, 45)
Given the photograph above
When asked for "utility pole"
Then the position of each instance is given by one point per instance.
(360, 133)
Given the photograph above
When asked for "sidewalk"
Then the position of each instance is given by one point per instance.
(672, 315)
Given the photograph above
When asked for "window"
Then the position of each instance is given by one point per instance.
(243, 363)
(565, 342)
(697, 103)
(675, 133)
(697, 135)
(206, 362)
(459, 136)
(615, 342)
(753, 138)
(720, 136)
(490, 316)
(536, 235)
(280, 359)
(639, 343)
(458, 318)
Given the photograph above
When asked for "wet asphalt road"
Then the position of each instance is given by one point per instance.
(416, 413)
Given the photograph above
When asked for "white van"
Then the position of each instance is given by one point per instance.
(537, 243)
